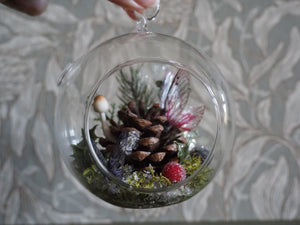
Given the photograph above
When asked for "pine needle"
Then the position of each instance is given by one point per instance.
(136, 87)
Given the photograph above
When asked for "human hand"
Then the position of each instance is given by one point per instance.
(132, 6)
(30, 7)
(37, 7)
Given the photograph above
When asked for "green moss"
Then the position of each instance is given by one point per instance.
(81, 155)
(191, 164)
(104, 188)
(90, 174)
(147, 179)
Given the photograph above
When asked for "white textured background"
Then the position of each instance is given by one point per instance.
(256, 44)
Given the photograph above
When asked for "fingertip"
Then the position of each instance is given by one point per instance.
(131, 14)
(30, 7)
(146, 3)
(38, 7)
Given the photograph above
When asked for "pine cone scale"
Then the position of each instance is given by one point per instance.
(149, 143)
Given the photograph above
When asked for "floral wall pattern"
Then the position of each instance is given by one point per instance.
(254, 43)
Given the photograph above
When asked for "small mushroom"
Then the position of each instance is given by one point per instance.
(101, 106)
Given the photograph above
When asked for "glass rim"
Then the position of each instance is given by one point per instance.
(101, 165)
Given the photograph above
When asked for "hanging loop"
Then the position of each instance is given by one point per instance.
(148, 15)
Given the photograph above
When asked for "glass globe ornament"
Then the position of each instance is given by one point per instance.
(143, 120)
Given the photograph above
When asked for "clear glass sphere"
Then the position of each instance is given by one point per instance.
(164, 102)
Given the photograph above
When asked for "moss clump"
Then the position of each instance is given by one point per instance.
(90, 174)
(191, 164)
(147, 179)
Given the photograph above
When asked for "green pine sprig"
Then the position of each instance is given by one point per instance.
(135, 87)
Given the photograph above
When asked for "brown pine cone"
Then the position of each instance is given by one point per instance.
(153, 139)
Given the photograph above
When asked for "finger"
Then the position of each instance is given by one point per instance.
(146, 3)
(131, 14)
(128, 5)
(30, 7)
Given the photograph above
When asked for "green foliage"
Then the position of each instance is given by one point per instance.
(111, 111)
(81, 155)
(183, 151)
(191, 164)
(147, 179)
(201, 179)
(141, 179)
(90, 174)
(136, 87)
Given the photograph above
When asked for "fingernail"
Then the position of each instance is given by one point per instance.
(146, 3)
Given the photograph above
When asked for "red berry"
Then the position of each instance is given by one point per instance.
(174, 171)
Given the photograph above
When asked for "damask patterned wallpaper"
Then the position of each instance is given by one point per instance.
(254, 43)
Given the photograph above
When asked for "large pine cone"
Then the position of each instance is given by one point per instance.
(145, 136)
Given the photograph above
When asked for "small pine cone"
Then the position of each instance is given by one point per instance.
(151, 138)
